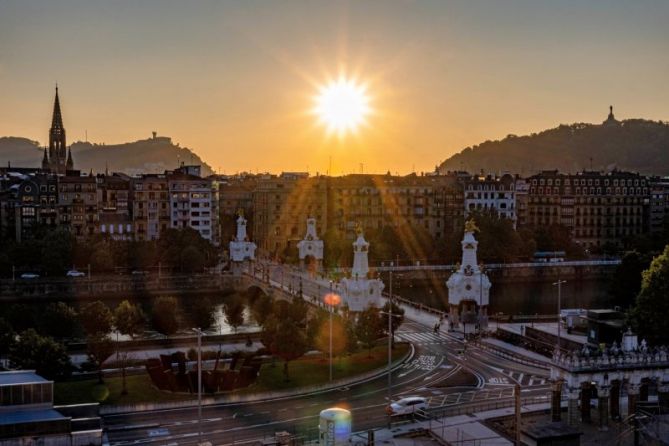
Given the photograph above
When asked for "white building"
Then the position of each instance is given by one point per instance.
(468, 288)
(194, 204)
(358, 291)
(491, 193)
(311, 246)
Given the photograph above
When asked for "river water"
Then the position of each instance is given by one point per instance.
(520, 298)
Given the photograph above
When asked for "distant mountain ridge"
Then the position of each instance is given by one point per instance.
(153, 155)
(635, 144)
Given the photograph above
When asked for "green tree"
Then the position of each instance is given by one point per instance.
(233, 309)
(99, 347)
(261, 308)
(58, 320)
(202, 313)
(7, 337)
(129, 319)
(649, 314)
(288, 344)
(368, 328)
(625, 283)
(42, 354)
(96, 317)
(164, 315)
(21, 317)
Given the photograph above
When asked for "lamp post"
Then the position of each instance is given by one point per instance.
(199, 384)
(331, 300)
(559, 287)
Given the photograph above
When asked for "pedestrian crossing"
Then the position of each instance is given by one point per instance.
(525, 379)
(426, 338)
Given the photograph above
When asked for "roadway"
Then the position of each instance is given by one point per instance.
(436, 362)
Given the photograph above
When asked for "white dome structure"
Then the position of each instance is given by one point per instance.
(359, 292)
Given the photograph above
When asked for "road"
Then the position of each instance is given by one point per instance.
(436, 362)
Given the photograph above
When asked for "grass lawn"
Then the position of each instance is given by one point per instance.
(303, 372)
(315, 370)
(140, 390)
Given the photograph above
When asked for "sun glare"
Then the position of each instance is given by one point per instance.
(342, 105)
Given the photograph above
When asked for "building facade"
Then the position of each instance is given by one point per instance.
(598, 208)
(491, 193)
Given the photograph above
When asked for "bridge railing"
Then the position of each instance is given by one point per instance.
(452, 266)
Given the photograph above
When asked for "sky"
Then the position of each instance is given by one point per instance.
(236, 80)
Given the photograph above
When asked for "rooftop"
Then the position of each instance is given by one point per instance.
(31, 416)
(20, 377)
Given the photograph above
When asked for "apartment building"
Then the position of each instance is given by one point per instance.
(599, 208)
(281, 206)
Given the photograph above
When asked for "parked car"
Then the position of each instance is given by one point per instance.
(139, 273)
(30, 276)
(75, 273)
(407, 406)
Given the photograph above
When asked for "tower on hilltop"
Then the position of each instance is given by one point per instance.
(57, 158)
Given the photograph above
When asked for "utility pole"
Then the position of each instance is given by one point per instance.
(517, 415)
(559, 327)
(199, 384)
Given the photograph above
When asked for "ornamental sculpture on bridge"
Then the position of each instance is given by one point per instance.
(241, 249)
(468, 288)
(358, 291)
(311, 247)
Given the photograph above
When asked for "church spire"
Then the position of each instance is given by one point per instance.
(57, 119)
(59, 160)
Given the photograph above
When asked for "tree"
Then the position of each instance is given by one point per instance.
(129, 319)
(233, 308)
(202, 313)
(192, 260)
(339, 337)
(626, 281)
(396, 320)
(261, 308)
(368, 328)
(288, 344)
(96, 317)
(58, 320)
(649, 314)
(99, 347)
(21, 317)
(164, 315)
(7, 337)
(42, 354)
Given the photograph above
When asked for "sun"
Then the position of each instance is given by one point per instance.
(342, 105)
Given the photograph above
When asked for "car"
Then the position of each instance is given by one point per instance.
(75, 273)
(30, 276)
(407, 406)
(139, 273)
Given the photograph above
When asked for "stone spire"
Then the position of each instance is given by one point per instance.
(59, 160)
(45, 160)
(611, 119)
(360, 260)
(69, 165)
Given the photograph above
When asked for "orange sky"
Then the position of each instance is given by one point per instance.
(235, 81)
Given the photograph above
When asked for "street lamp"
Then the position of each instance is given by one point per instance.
(199, 383)
(331, 300)
(559, 286)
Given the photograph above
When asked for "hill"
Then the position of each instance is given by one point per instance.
(153, 155)
(635, 144)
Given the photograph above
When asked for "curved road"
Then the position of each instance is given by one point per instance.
(437, 358)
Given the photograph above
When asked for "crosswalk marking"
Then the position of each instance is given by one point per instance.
(421, 338)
